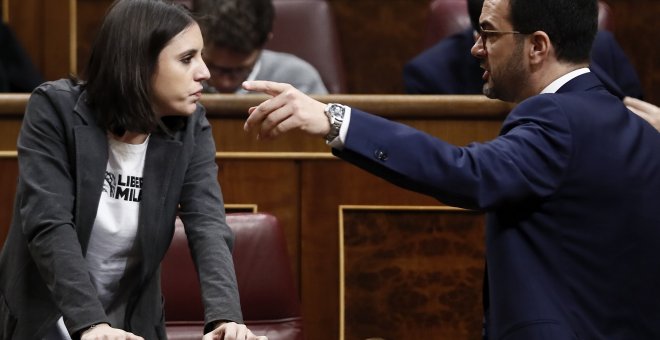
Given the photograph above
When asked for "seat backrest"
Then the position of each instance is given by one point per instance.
(605, 18)
(269, 298)
(306, 28)
(447, 17)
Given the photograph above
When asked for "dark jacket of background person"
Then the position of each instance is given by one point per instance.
(17, 73)
(55, 208)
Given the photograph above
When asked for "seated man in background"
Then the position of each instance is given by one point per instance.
(449, 68)
(235, 33)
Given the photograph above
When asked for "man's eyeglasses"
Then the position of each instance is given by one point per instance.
(484, 34)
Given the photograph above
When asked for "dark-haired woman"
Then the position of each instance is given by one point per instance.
(105, 165)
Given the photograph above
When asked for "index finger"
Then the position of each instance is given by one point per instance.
(270, 88)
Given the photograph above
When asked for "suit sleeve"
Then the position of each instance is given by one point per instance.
(526, 162)
(46, 201)
(209, 236)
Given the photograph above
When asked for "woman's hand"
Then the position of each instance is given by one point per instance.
(103, 331)
(648, 111)
(232, 331)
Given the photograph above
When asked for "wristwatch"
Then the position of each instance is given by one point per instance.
(335, 113)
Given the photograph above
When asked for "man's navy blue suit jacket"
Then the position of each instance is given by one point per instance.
(571, 190)
(448, 67)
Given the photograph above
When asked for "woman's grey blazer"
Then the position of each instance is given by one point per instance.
(62, 154)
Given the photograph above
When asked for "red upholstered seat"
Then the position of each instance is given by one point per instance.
(605, 18)
(269, 298)
(306, 28)
(447, 17)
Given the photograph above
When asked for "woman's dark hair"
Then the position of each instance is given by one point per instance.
(570, 24)
(124, 58)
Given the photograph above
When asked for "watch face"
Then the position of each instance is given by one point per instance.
(337, 110)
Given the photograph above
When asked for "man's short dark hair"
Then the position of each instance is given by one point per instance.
(474, 10)
(124, 58)
(237, 25)
(570, 24)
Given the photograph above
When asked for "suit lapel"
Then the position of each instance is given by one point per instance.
(161, 160)
(91, 160)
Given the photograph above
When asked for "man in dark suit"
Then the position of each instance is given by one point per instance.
(570, 186)
(447, 66)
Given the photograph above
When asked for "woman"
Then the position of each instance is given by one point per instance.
(104, 167)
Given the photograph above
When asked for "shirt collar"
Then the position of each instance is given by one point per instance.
(559, 82)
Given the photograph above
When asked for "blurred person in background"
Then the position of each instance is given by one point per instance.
(448, 67)
(236, 32)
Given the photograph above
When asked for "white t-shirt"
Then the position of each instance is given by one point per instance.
(111, 254)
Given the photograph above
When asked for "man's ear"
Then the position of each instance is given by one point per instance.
(540, 47)
(270, 36)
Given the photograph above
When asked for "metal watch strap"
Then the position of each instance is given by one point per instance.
(335, 113)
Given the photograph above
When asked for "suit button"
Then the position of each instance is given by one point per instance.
(381, 155)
